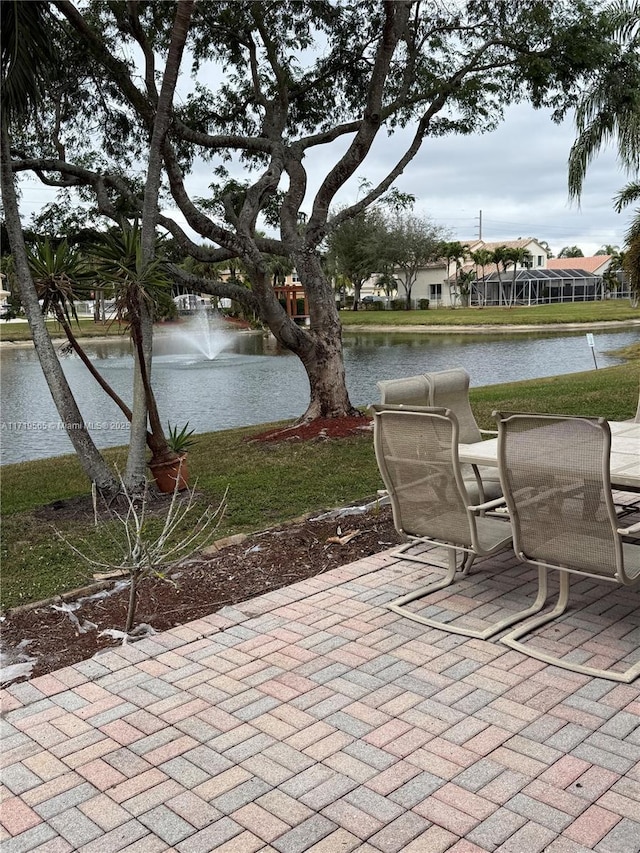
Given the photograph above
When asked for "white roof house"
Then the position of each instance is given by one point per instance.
(436, 281)
(577, 278)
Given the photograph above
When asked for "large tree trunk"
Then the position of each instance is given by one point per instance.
(90, 459)
(324, 364)
(320, 347)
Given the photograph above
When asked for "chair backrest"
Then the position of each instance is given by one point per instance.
(417, 454)
(450, 389)
(409, 391)
(554, 472)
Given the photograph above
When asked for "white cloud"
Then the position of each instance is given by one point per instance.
(516, 175)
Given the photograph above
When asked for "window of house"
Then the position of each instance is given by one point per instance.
(294, 277)
(435, 291)
(540, 260)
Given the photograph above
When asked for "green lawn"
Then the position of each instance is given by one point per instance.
(539, 315)
(87, 328)
(267, 484)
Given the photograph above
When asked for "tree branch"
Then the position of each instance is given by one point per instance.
(147, 51)
(117, 68)
(216, 288)
(200, 223)
(396, 18)
(259, 145)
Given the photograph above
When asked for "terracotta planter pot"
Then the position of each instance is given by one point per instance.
(167, 473)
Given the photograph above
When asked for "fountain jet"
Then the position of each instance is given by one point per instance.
(204, 333)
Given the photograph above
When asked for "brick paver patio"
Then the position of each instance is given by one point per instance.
(313, 719)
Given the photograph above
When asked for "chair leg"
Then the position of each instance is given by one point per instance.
(481, 634)
(446, 581)
(512, 640)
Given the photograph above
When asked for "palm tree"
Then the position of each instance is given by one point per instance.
(465, 283)
(500, 257)
(516, 255)
(61, 277)
(137, 285)
(28, 61)
(610, 110)
(456, 252)
(571, 252)
(631, 259)
(481, 258)
(546, 247)
(608, 249)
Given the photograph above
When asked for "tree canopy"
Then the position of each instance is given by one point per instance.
(272, 86)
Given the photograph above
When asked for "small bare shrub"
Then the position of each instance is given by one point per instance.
(147, 543)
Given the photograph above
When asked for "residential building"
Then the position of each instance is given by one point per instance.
(537, 280)
(437, 281)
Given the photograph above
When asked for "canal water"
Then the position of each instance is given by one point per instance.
(243, 378)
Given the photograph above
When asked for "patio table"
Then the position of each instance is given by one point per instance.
(625, 454)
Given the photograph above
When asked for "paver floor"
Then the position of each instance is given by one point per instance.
(314, 720)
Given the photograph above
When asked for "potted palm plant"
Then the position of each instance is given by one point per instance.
(139, 287)
(172, 474)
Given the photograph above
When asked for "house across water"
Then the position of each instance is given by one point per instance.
(524, 275)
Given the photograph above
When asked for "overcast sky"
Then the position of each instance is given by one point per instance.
(516, 175)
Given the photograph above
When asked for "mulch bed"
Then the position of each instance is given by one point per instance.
(317, 429)
(56, 638)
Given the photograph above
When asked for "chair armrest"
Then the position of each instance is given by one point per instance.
(625, 531)
(488, 505)
(489, 431)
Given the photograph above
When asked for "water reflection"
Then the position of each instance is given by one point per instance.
(253, 381)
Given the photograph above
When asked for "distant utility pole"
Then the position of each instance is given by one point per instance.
(479, 218)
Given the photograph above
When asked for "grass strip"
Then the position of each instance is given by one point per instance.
(535, 315)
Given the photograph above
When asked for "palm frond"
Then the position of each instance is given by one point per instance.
(627, 196)
(28, 55)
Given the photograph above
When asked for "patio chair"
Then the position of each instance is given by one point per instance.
(555, 479)
(417, 454)
(630, 507)
(450, 389)
(408, 391)
(447, 389)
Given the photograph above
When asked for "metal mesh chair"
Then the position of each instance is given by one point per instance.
(417, 454)
(628, 507)
(555, 479)
(448, 389)
(408, 391)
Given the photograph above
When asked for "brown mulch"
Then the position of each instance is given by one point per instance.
(317, 429)
(237, 572)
